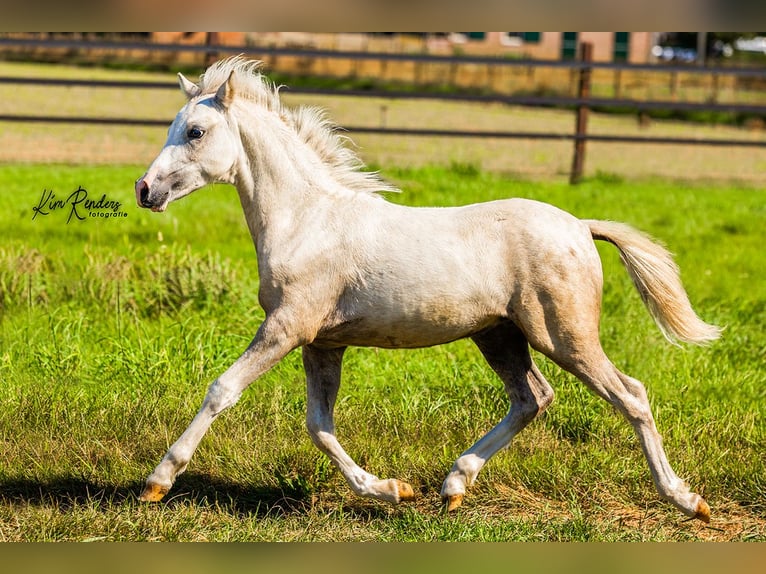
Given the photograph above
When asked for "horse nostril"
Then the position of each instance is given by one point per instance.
(142, 192)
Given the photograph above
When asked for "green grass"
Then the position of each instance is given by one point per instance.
(111, 329)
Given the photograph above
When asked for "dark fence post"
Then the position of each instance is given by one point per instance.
(581, 123)
(211, 39)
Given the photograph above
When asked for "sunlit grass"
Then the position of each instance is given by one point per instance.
(110, 331)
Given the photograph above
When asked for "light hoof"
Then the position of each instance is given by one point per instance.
(406, 493)
(153, 493)
(703, 511)
(452, 502)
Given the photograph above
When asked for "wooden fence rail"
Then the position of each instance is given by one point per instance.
(582, 104)
(254, 50)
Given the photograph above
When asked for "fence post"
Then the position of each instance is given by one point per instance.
(211, 39)
(581, 122)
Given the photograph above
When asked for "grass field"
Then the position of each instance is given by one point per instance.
(111, 330)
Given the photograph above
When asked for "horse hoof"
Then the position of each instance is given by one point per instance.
(153, 493)
(703, 511)
(406, 493)
(452, 502)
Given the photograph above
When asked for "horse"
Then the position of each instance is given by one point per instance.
(341, 266)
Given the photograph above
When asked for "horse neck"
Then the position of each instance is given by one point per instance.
(281, 178)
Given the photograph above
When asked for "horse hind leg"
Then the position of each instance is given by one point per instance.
(628, 395)
(564, 326)
(323, 371)
(506, 350)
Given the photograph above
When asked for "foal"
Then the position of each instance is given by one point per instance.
(341, 266)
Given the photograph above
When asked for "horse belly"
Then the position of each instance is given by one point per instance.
(407, 334)
(408, 319)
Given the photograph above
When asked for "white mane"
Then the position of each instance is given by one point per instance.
(311, 124)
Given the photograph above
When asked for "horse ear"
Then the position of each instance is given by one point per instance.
(189, 88)
(225, 94)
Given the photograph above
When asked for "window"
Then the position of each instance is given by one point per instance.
(463, 37)
(569, 45)
(621, 46)
(519, 38)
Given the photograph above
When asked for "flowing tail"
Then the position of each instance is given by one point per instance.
(656, 276)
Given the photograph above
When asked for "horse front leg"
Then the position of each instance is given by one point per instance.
(323, 368)
(271, 343)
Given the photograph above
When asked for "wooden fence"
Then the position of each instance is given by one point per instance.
(582, 103)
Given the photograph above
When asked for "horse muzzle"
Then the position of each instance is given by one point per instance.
(143, 196)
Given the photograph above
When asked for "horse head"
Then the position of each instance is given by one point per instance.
(201, 148)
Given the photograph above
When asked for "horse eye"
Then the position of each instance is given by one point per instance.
(195, 133)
